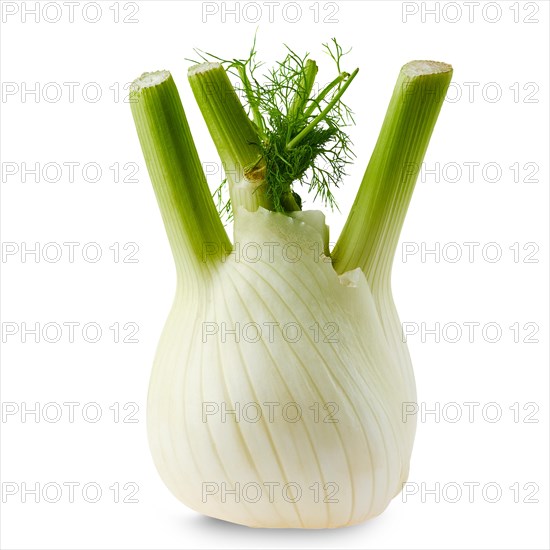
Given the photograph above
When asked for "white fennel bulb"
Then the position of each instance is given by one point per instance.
(317, 398)
(277, 391)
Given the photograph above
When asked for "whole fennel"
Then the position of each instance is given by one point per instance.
(277, 389)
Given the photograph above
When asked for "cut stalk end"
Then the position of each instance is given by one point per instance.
(147, 80)
(424, 68)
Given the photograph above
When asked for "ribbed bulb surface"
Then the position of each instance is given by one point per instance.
(314, 372)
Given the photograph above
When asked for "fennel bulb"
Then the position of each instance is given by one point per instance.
(277, 389)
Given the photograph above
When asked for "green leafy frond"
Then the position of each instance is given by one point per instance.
(301, 134)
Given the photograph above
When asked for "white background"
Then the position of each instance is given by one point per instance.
(497, 48)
